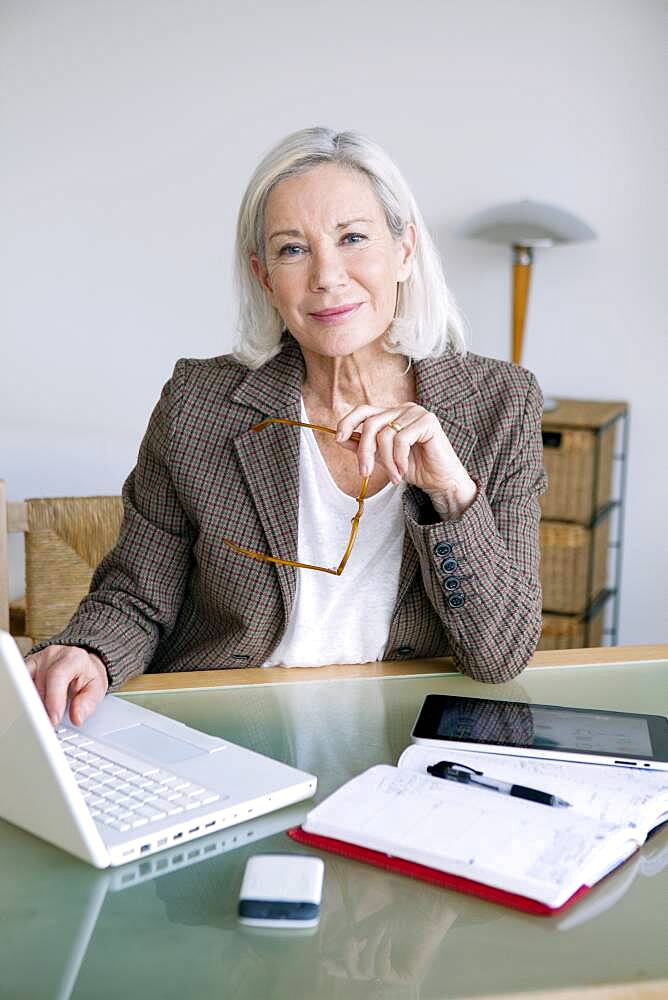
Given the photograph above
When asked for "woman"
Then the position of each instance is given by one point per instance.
(346, 322)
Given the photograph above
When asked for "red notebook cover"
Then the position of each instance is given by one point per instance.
(432, 875)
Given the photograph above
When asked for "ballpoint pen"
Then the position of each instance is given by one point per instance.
(469, 776)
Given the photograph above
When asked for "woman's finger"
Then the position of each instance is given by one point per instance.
(57, 682)
(402, 443)
(353, 419)
(369, 443)
(39, 679)
(385, 454)
(85, 701)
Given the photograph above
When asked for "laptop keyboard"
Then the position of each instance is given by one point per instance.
(122, 796)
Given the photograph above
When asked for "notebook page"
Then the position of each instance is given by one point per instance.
(613, 795)
(533, 850)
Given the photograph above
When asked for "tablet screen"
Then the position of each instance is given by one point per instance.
(549, 728)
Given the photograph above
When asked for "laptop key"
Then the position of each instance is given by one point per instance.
(120, 798)
(162, 804)
(153, 788)
(80, 768)
(174, 796)
(152, 814)
(160, 775)
(118, 824)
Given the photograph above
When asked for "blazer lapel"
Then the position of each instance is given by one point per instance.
(269, 459)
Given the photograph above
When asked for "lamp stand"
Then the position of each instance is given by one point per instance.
(522, 261)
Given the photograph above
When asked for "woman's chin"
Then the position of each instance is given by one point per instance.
(337, 343)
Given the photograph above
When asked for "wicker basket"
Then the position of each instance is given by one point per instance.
(579, 479)
(564, 568)
(565, 632)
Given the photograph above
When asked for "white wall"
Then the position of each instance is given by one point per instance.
(130, 129)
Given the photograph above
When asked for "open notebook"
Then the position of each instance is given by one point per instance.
(523, 854)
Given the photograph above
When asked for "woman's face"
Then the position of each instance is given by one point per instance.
(332, 265)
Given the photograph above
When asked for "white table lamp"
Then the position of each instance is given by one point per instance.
(523, 225)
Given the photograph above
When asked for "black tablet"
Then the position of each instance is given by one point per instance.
(590, 735)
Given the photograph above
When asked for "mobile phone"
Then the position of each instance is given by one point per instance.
(281, 890)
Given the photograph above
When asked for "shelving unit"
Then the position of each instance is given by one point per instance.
(585, 446)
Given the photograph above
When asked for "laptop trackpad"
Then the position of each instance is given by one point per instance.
(153, 745)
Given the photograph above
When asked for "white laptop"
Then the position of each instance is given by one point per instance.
(128, 782)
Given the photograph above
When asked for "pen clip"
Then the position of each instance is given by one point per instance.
(452, 769)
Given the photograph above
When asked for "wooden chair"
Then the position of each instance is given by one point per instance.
(65, 538)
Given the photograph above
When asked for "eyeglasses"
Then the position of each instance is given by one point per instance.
(354, 520)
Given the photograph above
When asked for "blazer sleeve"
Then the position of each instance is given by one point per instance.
(137, 590)
(481, 572)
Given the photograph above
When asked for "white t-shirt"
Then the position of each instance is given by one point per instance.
(341, 619)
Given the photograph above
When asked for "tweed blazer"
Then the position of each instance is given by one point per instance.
(170, 596)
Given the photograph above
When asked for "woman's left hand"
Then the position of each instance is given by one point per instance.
(418, 452)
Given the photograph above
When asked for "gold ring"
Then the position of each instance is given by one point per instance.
(395, 426)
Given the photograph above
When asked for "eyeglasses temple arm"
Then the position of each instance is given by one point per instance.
(299, 423)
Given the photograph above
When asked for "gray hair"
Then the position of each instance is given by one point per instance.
(427, 321)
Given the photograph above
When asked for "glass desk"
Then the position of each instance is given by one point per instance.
(166, 926)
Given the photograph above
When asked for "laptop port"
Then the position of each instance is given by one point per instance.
(144, 848)
(207, 825)
(194, 829)
(177, 836)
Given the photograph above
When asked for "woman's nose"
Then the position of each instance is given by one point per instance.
(327, 269)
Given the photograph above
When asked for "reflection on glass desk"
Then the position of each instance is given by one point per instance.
(166, 927)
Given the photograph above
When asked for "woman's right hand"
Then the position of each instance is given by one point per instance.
(60, 672)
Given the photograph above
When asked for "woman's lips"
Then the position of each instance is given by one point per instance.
(336, 315)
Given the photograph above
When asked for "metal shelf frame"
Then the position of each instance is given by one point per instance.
(616, 537)
(608, 600)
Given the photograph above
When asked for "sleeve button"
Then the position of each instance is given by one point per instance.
(456, 600)
(404, 650)
(451, 583)
(449, 565)
(443, 549)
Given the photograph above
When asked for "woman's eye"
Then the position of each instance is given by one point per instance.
(354, 237)
(290, 250)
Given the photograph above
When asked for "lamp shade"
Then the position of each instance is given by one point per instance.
(526, 224)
